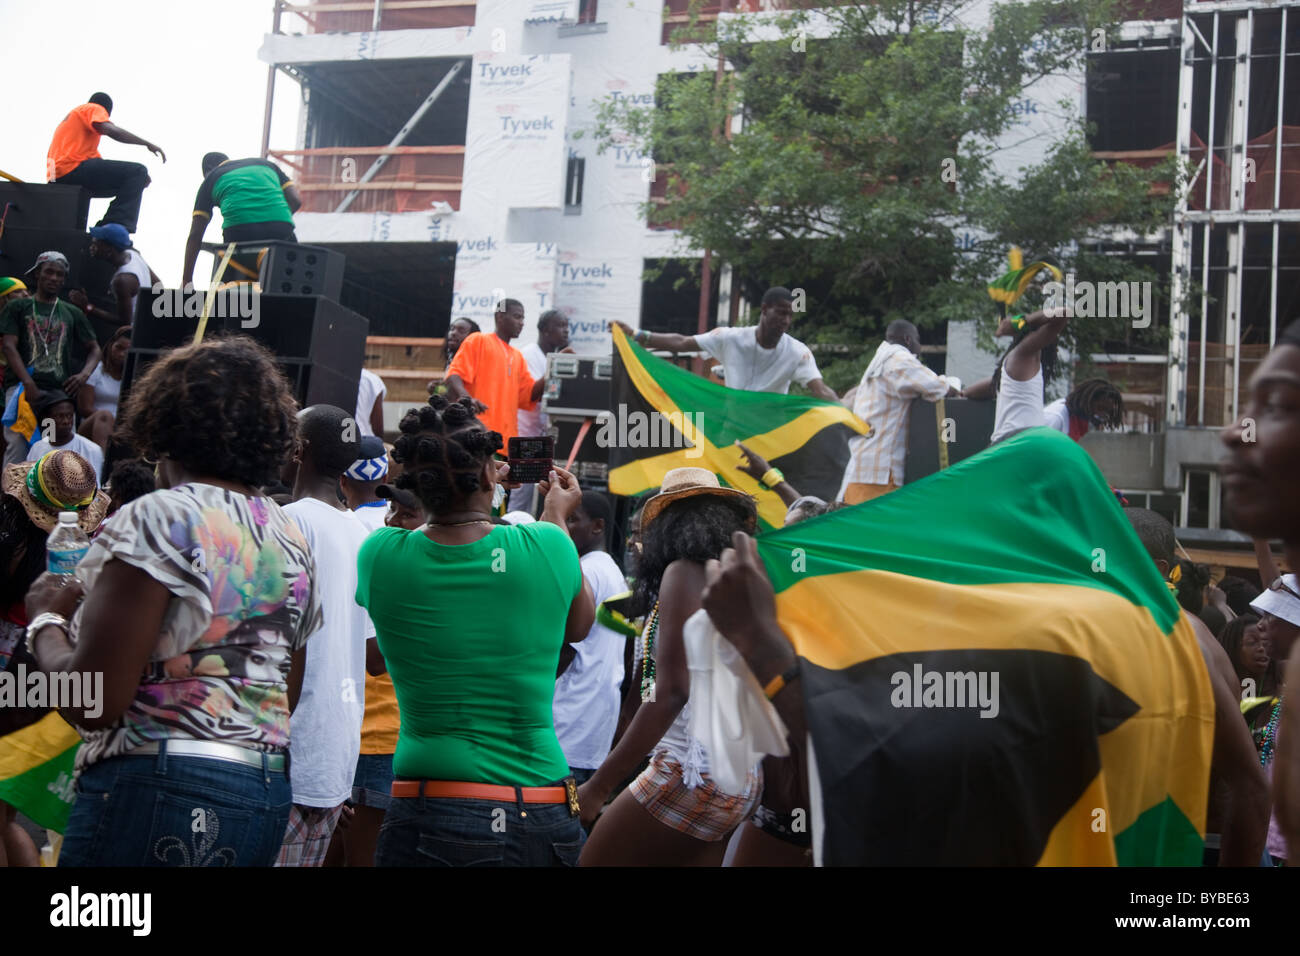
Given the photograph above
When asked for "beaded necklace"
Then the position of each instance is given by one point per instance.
(44, 334)
(647, 656)
(1270, 735)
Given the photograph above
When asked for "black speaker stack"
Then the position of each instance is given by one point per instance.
(320, 344)
(40, 217)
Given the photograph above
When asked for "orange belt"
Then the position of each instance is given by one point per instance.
(477, 791)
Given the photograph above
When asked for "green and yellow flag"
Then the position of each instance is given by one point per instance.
(36, 765)
(995, 673)
(1011, 285)
(664, 417)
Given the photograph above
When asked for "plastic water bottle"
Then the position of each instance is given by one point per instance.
(66, 545)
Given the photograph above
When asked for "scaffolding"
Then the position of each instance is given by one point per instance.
(1236, 231)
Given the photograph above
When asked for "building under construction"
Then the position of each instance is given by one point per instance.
(1219, 83)
(445, 147)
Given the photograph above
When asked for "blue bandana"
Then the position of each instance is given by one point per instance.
(368, 469)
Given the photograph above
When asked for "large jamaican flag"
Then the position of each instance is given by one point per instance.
(994, 671)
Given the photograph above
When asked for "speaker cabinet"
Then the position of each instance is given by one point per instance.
(589, 453)
(320, 344)
(968, 427)
(43, 206)
(287, 268)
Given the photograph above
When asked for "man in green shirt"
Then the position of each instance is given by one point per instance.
(38, 334)
(257, 202)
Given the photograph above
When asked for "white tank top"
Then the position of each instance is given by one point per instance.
(677, 741)
(135, 266)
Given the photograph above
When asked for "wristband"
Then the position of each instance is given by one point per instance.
(771, 478)
(643, 336)
(778, 683)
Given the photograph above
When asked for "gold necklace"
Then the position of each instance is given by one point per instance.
(458, 524)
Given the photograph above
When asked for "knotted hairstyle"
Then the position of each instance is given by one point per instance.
(442, 450)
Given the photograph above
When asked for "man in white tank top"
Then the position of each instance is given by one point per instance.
(112, 243)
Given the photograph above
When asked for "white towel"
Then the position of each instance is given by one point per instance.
(730, 715)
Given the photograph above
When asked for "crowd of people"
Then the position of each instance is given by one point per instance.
(318, 648)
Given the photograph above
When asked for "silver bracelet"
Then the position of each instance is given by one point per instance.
(41, 621)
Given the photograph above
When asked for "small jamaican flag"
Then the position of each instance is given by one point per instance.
(664, 417)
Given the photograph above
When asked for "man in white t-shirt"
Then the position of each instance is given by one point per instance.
(1019, 379)
(112, 243)
(57, 407)
(325, 729)
(761, 358)
(587, 698)
(361, 481)
(370, 404)
(552, 336)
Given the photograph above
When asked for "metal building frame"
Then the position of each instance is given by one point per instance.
(1233, 220)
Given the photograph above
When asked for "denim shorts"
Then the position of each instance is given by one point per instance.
(372, 784)
(427, 831)
(162, 810)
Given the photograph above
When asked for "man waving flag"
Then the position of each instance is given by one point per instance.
(664, 417)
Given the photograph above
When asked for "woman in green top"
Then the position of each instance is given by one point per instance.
(470, 617)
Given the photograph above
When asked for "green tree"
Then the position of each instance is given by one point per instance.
(848, 164)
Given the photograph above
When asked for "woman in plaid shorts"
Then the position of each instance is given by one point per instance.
(673, 814)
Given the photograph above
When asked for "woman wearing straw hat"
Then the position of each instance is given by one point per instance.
(34, 494)
(673, 814)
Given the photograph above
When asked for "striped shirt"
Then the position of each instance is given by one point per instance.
(894, 377)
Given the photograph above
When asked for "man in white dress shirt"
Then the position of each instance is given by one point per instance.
(884, 400)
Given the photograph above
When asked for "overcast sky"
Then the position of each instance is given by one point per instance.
(182, 74)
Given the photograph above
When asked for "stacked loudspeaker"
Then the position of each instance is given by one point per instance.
(320, 344)
(38, 218)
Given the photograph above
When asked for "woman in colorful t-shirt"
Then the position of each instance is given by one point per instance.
(198, 601)
(470, 617)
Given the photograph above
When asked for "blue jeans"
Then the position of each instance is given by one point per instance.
(161, 810)
(424, 831)
(373, 781)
